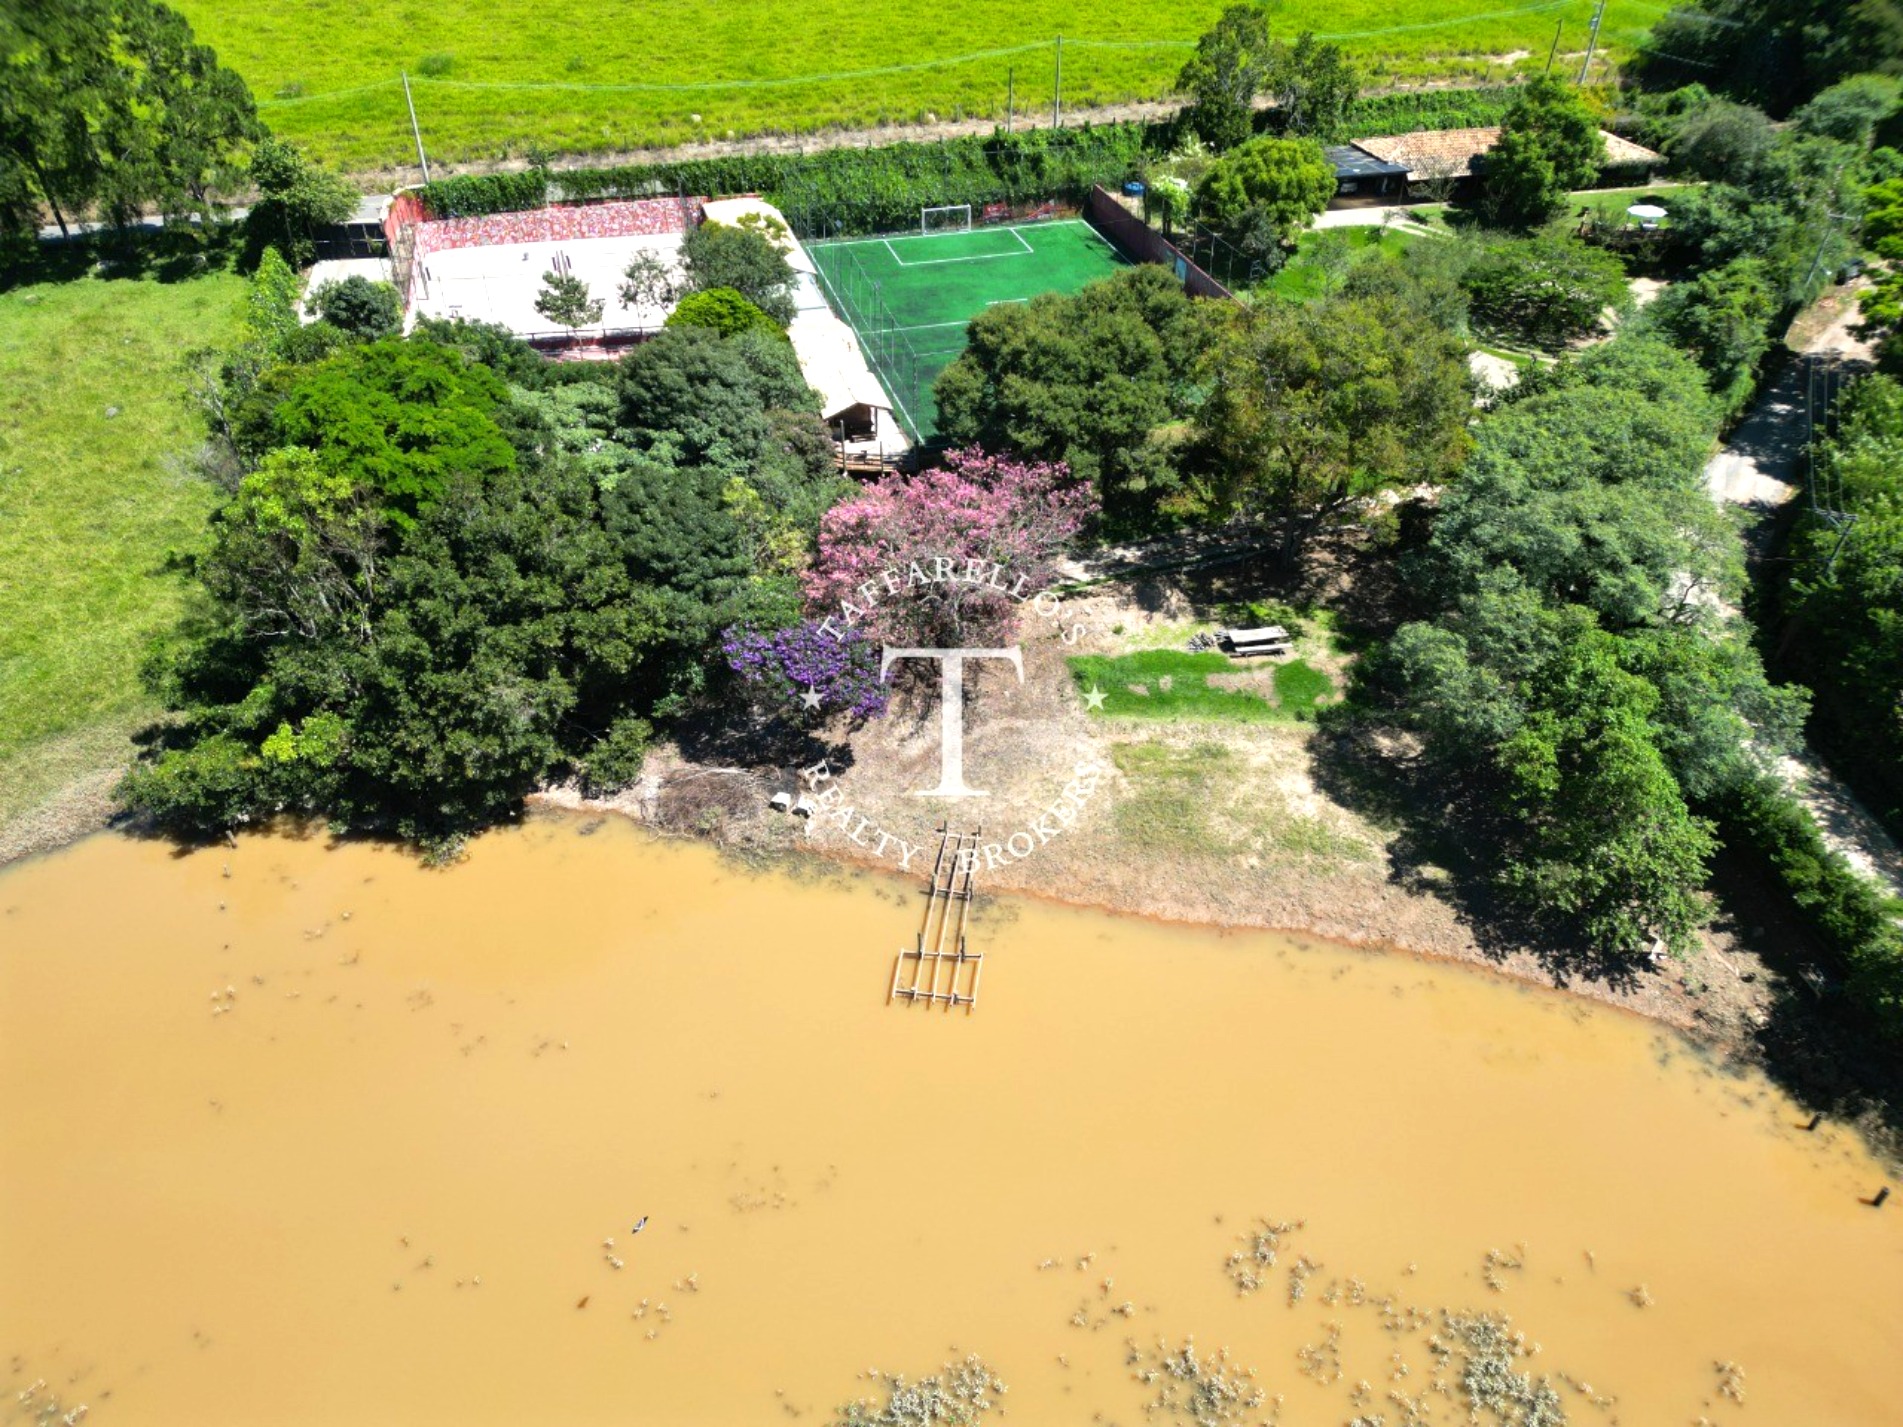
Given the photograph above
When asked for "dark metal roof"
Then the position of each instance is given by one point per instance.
(1351, 162)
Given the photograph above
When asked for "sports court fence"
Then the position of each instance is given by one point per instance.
(1143, 244)
(895, 358)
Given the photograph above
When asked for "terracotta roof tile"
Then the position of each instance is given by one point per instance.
(1450, 153)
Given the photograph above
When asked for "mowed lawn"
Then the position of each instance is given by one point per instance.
(90, 504)
(493, 77)
(1323, 258)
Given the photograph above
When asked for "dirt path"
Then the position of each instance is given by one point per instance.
(1762, 469)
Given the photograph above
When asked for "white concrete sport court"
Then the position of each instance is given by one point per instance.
(499, 282)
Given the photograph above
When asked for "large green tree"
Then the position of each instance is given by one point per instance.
(1549, 145)
(111, 106)
(748, 257)
(295, 198)
(1314, 87)
(400, 419)
(1096, 380)
(1265, 191)
(1545, 290)
(1315, 407)
(1233, 62)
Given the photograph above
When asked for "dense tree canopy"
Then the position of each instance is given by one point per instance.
(449, 570)
(1775, 53)
(360, 307)
(1545, 290)
(722, 310)
(1845, 600)
(747, 257)
(1581, 684)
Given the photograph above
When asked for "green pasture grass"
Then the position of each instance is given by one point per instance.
(580, 76)
(910, 296)
(1189, 695)
(90, 505)
(1305, 277)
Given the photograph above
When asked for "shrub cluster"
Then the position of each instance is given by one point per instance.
(1374, 114)
(1853, 920)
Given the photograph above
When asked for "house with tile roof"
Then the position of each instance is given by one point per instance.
(1385, 166)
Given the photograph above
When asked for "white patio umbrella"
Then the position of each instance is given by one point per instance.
(1645, 212)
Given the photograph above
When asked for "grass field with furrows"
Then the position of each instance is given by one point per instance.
(95, 490)
(494, 77)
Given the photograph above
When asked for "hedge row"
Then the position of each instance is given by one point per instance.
(836, 190)
(1854, 919)
(877, 189)
(1428, 109)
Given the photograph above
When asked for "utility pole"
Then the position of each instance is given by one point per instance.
(1831, 220)
(1592, 39)
(1057, 98)
(1010, 97)
(415, 131)
(1555, 49)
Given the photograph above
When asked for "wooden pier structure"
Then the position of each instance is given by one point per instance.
(942, 971)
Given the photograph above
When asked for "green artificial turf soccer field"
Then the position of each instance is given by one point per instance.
(909, 296)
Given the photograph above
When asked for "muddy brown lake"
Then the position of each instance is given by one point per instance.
(294, 1133)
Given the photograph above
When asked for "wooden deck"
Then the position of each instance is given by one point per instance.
(942, 972)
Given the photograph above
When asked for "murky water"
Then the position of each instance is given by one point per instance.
(300, 1134)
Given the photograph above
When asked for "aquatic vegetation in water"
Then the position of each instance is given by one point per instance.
(1206, 1391)
(1487, 1348)
(1496, 1261)
(958, 1395)
(1248, 1267)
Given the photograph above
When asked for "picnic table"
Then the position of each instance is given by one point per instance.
(1269, 639)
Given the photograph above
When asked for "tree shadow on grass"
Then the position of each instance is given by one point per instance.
(1441, 836)
(174, 254)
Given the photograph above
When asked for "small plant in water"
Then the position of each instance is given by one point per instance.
(1248, 1267)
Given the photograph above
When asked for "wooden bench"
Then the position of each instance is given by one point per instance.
(997, 212)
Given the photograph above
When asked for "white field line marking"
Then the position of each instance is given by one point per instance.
(1015, 230)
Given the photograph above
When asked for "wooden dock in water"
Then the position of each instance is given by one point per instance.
(942, 971)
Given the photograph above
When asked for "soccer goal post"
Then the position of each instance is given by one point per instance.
(952, 218)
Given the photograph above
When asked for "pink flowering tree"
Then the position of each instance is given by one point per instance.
(946, 557)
